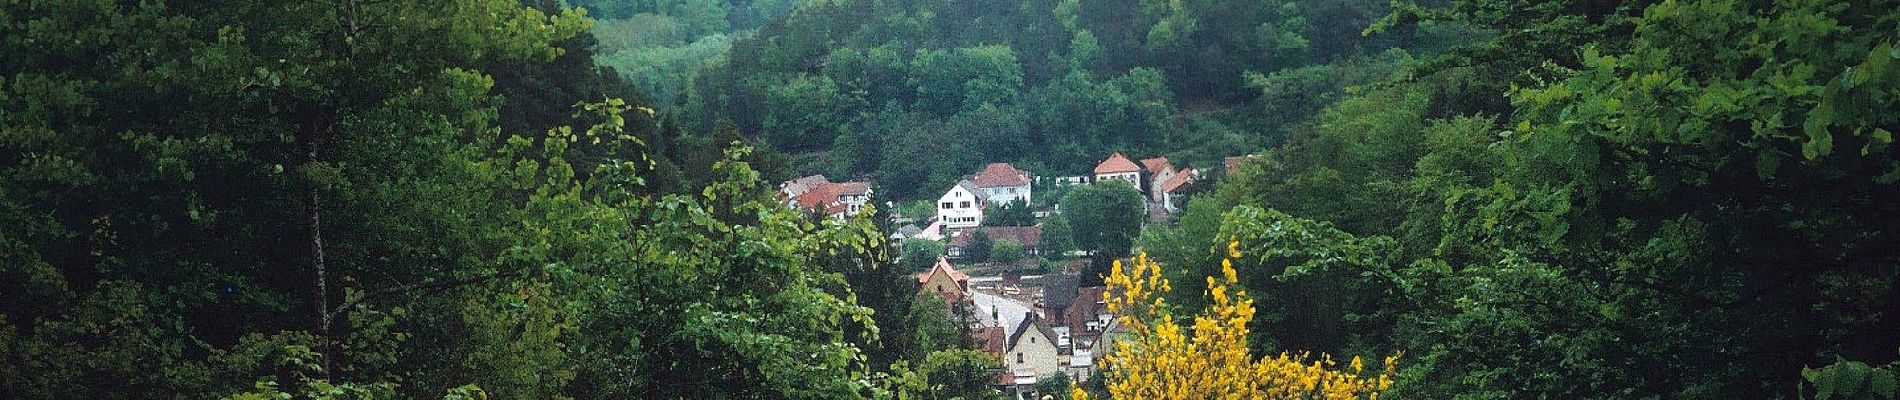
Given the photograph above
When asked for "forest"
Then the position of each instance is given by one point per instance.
(582, 199)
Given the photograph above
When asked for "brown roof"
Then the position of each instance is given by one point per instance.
(1115, 164)
(943, 263)
(819, 197)
(1031, 321)
(1179, 181)
(1028, 236)
(1088, 303)
(1000, 175)
(1155, 165)
(992, 339)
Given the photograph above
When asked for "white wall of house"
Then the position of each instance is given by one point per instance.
(1034, 354)
(1006, 194)
(958, 208)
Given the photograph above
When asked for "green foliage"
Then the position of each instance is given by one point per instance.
(1113, 211)
(1054, 387)
(919, 254)
(961, 373)
(1007, 251)
(1013, 213)
(1058, 237)
(1851, 380)
(980, 247)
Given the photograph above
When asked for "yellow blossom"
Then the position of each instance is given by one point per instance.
(1157, 360)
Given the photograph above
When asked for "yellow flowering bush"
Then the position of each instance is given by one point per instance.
(1160, 360)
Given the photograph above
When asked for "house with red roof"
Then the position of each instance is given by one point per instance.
(816, 194)
(1172, 193)
(1002, 183)
(944, 281)
(1118, 167)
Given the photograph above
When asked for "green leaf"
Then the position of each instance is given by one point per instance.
(1882, 383)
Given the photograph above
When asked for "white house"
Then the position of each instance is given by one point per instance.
(1003, 183)
(1032, 351)
(961, 207)
(835, 200)
(1118, 167)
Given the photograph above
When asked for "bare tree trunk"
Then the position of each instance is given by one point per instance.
(324, 317)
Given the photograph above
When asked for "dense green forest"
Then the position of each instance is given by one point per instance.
(543, 199)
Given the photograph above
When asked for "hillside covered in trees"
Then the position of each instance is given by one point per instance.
(528, 199)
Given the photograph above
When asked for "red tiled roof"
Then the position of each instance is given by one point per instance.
(1115, 164)
(818, 197)
(943, 263)
(1180, 180)
(1155, 165)
(1000, 175)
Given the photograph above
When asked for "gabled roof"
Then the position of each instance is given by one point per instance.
(1115, 164)
(1030, 321)
(1179, 181)
(1058, 292)
(1000, 175)
(943, 264)
(818, 197)
(1087, 304)
(1155, 165)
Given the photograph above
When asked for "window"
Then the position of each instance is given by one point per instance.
(965, 205)
(1032, 339)
(946, 205)
(1019, 358)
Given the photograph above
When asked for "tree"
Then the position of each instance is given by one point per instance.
(1058, 238)
(1112, 210)
(1054, 387)
(1007, 251)
(960, 373)
(919, 254)
(979, 247)
(1159, 361)
(1013, 213)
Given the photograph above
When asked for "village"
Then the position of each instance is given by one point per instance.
(1038, 322)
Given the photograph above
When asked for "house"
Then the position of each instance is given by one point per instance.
(962, 206)
(1173, 192)
(1087, 317)
(1118, 167)
(1032, 351)
(1155, 171)
(835, 200)
(792, 188)
(1002, 183)
(1028, 236)
(944, 281)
